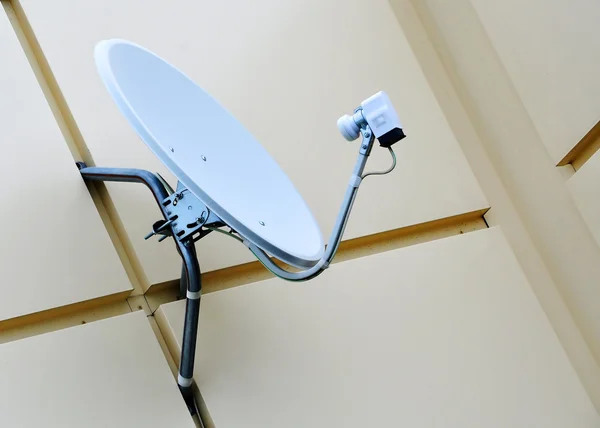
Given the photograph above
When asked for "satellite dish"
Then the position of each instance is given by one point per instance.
(210, 152)
(226, 178)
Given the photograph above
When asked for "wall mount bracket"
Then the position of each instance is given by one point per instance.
(184, 217)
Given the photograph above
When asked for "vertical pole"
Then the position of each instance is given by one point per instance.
(190, 328)
(191, 268)
(183, 281)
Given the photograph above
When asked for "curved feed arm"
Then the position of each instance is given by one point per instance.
(340, 225)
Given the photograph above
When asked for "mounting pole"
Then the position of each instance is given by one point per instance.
(186, 249)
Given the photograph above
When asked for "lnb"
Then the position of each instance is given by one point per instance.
(379, 114)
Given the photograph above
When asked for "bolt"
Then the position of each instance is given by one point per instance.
(367, 134)
(172, 149)
(364, 147)
(189, 207)
(203, 158)
(262, 223)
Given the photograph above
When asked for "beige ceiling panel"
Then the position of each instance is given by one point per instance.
(109, 373)
(442, 334)
(550, 53)
(287, 70)
(55, 249)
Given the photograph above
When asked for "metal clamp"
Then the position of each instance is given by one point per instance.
(186, 215)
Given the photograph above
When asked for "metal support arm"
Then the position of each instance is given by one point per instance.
(191, 268)
(340, 224)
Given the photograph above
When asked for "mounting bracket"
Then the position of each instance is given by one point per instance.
(184, 216)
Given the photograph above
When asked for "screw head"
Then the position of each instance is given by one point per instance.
(189, 207)
(364, 146)
(172, 149)
(203, 158)
(367, 134)
(262, 223)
